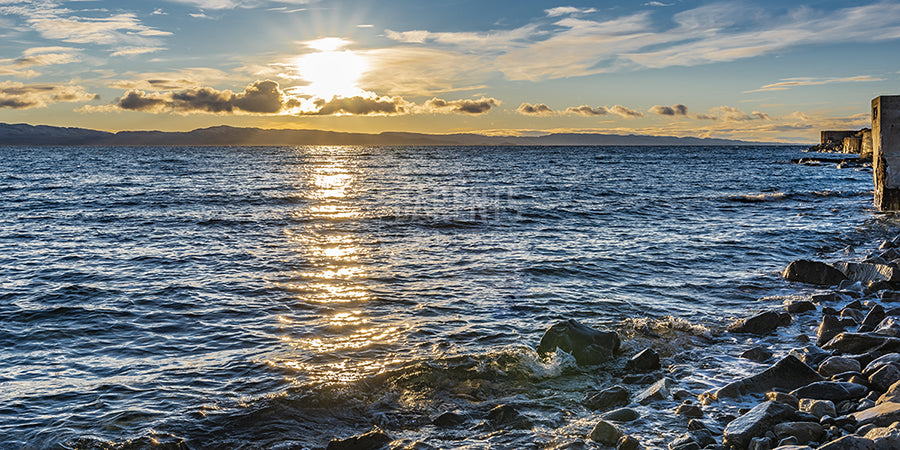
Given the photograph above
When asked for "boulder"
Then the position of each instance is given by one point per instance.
(689, 409)
(760, 324)
(883, 378)
(805, 432)
(655, 392)
(628, 443)
(889, 296)
(874, 317)
(757, 354)
(849, 442)
(888, 327)
(810, 355)
(867, 272)
(646, 360)
(506, 417)
(606, 399)
(788, 373)
(756, 422)
(622, 415)
(838, 364)
(818, 408)
(835, 391)
(448, 419)
(781, 397)
(891, 395)
(883, 360)
(372, 440)
(813, 272)
(828, 328)
(855, 343)
(799, 306)
(605, 433)
(588, 345)
(881, 415)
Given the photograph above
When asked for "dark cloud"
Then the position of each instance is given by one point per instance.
(259, 97)
(480, 106)
(625, 112)
(676, 110)
(361, 106)
(16, 95)
(587, 111)
(538, 109)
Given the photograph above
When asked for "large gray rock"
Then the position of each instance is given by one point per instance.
(787, 374)
(883, 378)
(881, 361)
(838, 364)
(605, 433)
(756, 422)
(588, 345)
(868, 272)
(881, 415)
(760, 324)
(813, 272)
(857, 343)
(835, 391)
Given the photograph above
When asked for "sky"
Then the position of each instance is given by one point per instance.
(754, 70)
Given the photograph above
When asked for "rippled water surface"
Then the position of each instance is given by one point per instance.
(279, 297)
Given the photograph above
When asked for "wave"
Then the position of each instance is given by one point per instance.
(796, 196)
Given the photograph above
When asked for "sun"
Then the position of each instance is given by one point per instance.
(331, 71)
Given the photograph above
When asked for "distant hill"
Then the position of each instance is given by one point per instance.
(24, 134)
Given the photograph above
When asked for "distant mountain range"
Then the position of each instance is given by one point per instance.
(24, 134)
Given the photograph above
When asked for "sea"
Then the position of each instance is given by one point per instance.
(282, 297)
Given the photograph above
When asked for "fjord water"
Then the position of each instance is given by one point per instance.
(281, 296)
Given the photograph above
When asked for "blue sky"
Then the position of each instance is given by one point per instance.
(749, 70)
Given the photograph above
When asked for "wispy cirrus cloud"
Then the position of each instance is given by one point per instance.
(788, 83)
(35, 57)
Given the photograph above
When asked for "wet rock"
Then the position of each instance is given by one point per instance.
(681, 394)
(646, 360)
(855, 343)
(605, 433)
(790, 440)
(606, 399)
(793, 447)
(505, 416)
(813, 272)
(781, 397)
(655, 392)
(849, 442)
(872, 319)
(831, 390)
(818, 408)
(884, 437)
(622, 415)
(628, 443)
(850, 317)
(789, 373)
(757, 354)
(838, 364)
(824, 298)
(889, 296)
(878, 286)
(760, 324)
(689, 409)
(638, 379)
(881, 415)
(884, 377)
(828, 328)
(805, 432)
(372, 440)
(760, 443)
(757, 421)
(891, 395)
(448, 419)
(588, 345)
(866, 272)
(888, 327)
(810, 355)
(799, 306)
(881, 361)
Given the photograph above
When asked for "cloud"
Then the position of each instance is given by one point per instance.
(61, 24)
(676, 110)
(233, 4)
(567, 10)
(625, 112)
(732, 114)
(16, 95)
(131, 51)
(35, 57)
(172, 81)
(538, 109)
(259, 97)
(479, 106)
(788, 83)
(361, 106)
(587, 111)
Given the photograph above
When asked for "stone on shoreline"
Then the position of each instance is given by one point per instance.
(856, 343)
(799, 306)
(885, 377)
(828, 328)
(880, 415)
(849, 442)
(606, 399)
(374, 439)
(838, 364)
(811, 355)
(874, 317)
(867, 272)
(891, 395)
(622, 415)
(505, 416)
(605, 433)
(813, 272)
(818, 408)
(756, 422)
(655, 392)
(789, 373)
(804, 432)
(763, 323)
(646, 360)
(588, 345)
(757, 354)
(835, 391)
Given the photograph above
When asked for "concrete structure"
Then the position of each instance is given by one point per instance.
(865, 149)
(836, 136)
(886, 151)
(852, 144)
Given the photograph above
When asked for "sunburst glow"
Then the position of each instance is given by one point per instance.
(331, 71)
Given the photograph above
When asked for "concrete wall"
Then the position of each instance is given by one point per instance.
(886, 151)
(865, 148)
(852, 144)
(837, 136)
